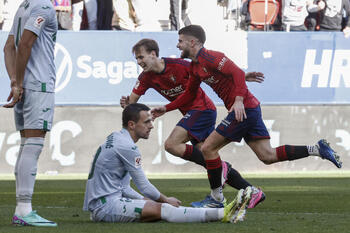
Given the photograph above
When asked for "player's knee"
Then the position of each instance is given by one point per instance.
(207, 151)
(151, 211)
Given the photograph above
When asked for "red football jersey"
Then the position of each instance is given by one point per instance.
(222, 75)
(171, 83)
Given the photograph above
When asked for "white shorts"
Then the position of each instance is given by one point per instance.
(118, 209)
(35, 110)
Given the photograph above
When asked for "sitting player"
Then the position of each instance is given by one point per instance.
(110, 198)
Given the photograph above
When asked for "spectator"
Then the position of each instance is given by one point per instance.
(332, 16)
(136, 15)
(1, 13)
(146, 15)
(124, 18)
(104, 14)
(294, 13)
(8, 13)
(175, 14)
(63, 12)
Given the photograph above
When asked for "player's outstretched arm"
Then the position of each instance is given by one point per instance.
(254, 77)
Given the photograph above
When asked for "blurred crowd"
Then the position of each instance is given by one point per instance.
(164, 15)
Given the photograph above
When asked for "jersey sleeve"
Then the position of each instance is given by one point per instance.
(141, 85)
(38, 18)
(188, 96)
(12, 31)
(132, 162)
(228, 68)
(129, 192)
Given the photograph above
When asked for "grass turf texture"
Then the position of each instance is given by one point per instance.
(292, 205)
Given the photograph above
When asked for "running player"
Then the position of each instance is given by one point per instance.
(29, 60)
(244, 119)
(109, 197)
(169, 76)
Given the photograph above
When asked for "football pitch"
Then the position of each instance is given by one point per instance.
(296, 204)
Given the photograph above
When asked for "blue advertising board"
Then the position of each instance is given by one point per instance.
(301, 67)
(98, 67)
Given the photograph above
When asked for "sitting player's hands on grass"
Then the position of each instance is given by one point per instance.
(173, 201)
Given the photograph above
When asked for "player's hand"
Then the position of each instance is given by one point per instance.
(15, 95)
(173, 201)
(124, 101)
(158, 111)
(346, 32)
(238, 108)
(254, 77)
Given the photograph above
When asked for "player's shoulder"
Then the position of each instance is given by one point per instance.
(43, 7)
(206, 55)
(143, 76)
(176, 62)
(124, 140)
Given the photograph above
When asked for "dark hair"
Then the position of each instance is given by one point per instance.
(132, 113)
(149, 45)
(194, 30)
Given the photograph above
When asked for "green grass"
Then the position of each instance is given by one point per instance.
(311, 204)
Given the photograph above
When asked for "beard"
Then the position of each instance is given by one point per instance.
(185, 54)
(143, 135)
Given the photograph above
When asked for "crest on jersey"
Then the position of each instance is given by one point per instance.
(138, 161)
(173, 78)
(39, 21)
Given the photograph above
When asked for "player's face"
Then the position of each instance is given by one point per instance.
(144, 125)
(184, 45)
(145, 59)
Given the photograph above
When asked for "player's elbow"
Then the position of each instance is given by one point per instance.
(169, 145)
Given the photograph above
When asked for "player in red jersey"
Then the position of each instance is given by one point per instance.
(169, 76)
(244, 119)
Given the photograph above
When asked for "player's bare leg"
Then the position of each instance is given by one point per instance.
(217, 174)
(263, 150)
(269, 155)
(175, 144)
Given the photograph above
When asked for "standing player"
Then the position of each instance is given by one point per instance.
(169, 76)
(109, 197)
(244, 119)
(29, 60)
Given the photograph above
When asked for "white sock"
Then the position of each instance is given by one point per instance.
(217, 194)
(23, 140)
(23, 208)
(313, 150)
(27, 168)
(170, 213)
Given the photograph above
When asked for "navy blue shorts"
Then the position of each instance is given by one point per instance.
(251, 128)
(199, 124)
